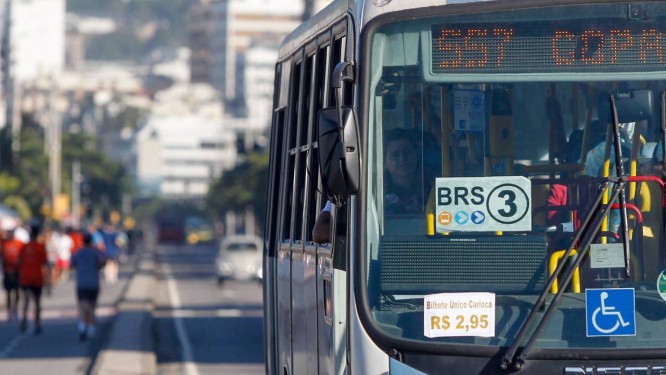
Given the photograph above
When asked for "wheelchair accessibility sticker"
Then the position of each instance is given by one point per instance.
(610, 312)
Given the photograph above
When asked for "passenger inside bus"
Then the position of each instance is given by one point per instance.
(402, 168)
(558, 194)
(575, 191)
(401, 171)
(655, 166)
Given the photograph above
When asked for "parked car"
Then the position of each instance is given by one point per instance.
(239, 258)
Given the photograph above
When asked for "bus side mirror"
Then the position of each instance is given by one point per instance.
(339, 160)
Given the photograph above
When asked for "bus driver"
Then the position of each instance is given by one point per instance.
(401, 192)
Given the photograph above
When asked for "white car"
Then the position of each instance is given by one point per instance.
(239, 258)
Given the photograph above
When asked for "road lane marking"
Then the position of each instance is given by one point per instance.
(209, 313)
(100, 311)
(186, 348)
(11, 346)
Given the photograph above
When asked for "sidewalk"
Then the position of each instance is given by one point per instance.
(128, 346)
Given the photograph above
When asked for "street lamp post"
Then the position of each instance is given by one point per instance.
(77, 178)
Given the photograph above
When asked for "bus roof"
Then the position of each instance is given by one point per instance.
(332, 13)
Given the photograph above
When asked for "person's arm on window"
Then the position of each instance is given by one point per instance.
(321, 233)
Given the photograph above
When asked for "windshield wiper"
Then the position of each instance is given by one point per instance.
(663, 134)
(587, 232)
(619, 167)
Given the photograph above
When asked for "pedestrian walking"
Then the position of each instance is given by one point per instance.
(11, 248)
(77, 238)
(22, 234)
(32, 267)
(63, 246)
(50, 238)
(111, 250)
(87, 261)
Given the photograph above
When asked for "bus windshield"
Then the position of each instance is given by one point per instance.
(489, 136)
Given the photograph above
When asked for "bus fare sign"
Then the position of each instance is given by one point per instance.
(481, 204)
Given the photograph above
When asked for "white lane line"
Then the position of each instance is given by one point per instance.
(11, 346)
(74, 313)
(186, 348)
(208, 313)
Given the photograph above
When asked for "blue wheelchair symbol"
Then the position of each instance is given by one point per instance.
(610, 312)
(462, 217)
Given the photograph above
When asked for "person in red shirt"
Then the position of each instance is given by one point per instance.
(10, 255)
(32, 265)
(77, 238)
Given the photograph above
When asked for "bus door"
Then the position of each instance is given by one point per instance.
(332, 301)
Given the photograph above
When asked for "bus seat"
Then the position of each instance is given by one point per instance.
(539, 199)
(650, 205)
(552, 265)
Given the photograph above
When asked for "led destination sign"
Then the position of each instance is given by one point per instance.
(545, 47)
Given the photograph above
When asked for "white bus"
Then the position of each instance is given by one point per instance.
(496, 171)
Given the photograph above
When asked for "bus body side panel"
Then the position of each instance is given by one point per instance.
(340, 324)
(270, 251)
(298, 314)
(365, 356)
(283, 319)
(282, 275)
(325, 322)
(309, 303)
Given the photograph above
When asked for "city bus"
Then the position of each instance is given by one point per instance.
(495, 171)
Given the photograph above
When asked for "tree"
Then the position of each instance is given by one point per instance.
(243, 186)
(32, 165)
(26, 186)
(9, 189)
(105, 181)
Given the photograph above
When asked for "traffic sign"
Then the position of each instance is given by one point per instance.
(478, 204)
(610, 312)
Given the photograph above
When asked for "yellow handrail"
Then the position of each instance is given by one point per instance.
(552, 265)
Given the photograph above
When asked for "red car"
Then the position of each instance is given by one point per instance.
(170, 230)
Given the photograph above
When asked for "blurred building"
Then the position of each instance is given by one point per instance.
(37, 38)
(176, 162)
(237, 26)
(230, 37)
(78, 29)
(33, 49)
(259, 73)
(200, 29)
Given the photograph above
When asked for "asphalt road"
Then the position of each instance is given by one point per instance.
(58, 349)
(200, 327)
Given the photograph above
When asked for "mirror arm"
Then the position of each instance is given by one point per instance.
(343, 72)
